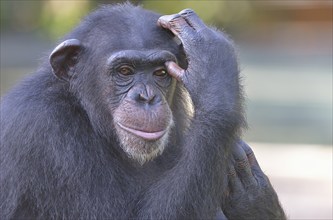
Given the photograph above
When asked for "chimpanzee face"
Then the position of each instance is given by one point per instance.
(141, 87)
(122, 82)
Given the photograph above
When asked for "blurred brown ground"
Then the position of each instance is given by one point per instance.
(302, 177)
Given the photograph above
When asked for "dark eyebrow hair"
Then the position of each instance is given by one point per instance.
(146, 56)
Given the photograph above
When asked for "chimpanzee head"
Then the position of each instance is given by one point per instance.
(116, 69)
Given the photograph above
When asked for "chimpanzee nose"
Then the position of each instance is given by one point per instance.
(144, 95)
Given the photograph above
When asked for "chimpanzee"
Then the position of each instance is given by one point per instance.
(133, 116)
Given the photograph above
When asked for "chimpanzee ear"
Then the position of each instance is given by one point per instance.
(64, 57)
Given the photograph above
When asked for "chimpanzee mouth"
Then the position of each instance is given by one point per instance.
(150, 136)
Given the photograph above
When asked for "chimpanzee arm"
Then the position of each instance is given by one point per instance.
(193, 187)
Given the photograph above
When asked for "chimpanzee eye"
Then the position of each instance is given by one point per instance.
(161, 72)
(126, 70)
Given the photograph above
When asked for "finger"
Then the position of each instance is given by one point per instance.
(193, 19)
(250, 156)
(256, 170)
(175, 71)
(249, 153)
(242, 166)
(240, 157)
(235, 185)
(178, 26)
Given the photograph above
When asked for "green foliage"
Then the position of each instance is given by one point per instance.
(205, 9)
(58, 17)
(217, 13)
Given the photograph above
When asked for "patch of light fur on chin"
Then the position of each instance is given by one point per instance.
(140, 150)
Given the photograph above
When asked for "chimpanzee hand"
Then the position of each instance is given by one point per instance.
(212, 64)
(250, 196)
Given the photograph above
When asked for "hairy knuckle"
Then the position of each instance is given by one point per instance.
(251, 158)
(242, 164)
(232, 173)
(186, 12)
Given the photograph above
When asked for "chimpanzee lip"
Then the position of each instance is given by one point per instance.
(150, 136)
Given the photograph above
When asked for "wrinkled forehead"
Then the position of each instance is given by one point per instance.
(145, 38)
(109, 30)
(147, 35)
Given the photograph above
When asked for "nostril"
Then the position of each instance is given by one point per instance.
(151, 99)
(146, 98)
(143, 97)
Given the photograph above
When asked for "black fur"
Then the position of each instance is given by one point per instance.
(60, 157)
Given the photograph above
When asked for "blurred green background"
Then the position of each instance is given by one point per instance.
(285, 52)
